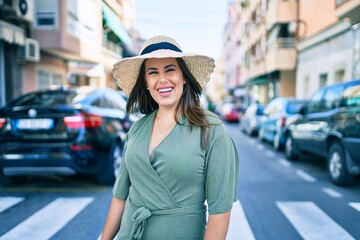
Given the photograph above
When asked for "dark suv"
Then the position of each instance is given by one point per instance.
(63, 132)
(328, 125)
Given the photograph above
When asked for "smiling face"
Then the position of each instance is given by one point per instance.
(165, 81)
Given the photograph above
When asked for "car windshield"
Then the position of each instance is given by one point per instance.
(351, 96)
(294, 106)
(47, 99)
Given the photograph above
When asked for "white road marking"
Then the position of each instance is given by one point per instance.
(355, 205)
(311, 222)
(307, 177)
(252, 141)
(46, 222)
(332, 193)
(270, 153)
(239, 227)
(260, 147)
(8, 202)
(284, 163)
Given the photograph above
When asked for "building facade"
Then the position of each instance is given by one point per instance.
(268, 62)
(329, 52)
(61, 44)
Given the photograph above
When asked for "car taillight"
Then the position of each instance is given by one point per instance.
(282, 121)
(2, 122)
(83, 120)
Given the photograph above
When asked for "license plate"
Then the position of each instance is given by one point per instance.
(35, 124)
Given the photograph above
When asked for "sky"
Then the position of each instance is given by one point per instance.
(197, 25)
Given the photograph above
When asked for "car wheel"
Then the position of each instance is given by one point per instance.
(276, 142)
(336, 165)
(114, 160)
(290, 149)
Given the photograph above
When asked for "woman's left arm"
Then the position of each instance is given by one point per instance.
(217, 226)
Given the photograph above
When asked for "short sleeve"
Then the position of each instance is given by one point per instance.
(122, 183)
(222, 170)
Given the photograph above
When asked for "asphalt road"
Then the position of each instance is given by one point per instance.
(277, 199)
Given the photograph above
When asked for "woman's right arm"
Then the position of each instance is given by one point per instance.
(113, 219)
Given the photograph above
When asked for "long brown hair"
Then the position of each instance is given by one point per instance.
(189, 103)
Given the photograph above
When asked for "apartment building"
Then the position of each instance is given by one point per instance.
(269, 29)
(329, 51)
(63, 42)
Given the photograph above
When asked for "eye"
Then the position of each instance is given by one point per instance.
(152, 72)
(170, 69)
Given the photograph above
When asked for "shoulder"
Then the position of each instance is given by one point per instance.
(212, 118)
(141, 123)
(217, 127)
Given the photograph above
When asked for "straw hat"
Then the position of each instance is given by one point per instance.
(127, 70)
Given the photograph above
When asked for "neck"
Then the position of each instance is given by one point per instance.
(165, 113)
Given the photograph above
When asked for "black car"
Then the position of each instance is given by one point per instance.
(328, 125)
(66, 132)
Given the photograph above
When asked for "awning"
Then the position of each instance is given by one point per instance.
(257, 81)
(114, 23)
(12, 34)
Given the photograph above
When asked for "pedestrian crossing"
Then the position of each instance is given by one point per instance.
(308, 219)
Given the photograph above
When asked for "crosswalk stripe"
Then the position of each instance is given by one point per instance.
(355, 205)
(307, 177)
(49, 220)
(311, 222)
(284, 162)
(239, 227)
(332, 193)
(8, 202)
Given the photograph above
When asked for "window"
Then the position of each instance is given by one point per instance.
(332, 96)
(46, 80)
(351, 95)
(306, 87)
(323, 80)
(339, 76)
(314, 104)
(46, 14)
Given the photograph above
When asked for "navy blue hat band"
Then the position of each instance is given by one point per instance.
(160, 46)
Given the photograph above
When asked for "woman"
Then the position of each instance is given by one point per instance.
(177, 156)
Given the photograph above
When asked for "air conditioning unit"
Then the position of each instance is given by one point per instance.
(25, 9)
(22, 10)
(31, 51)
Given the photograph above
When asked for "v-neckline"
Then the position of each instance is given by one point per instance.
(151, 151)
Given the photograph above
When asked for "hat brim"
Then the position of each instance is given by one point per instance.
(127, 70)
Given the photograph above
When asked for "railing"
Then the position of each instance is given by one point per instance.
(112, 47)
(285, 42)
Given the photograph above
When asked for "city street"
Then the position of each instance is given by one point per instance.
(277, 199)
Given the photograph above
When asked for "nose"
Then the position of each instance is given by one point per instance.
(163, 80)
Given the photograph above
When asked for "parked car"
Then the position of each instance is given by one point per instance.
(275, 120)
(130, 117)
(64, 132)
(328, 125)
(250, 120)
(230, 112)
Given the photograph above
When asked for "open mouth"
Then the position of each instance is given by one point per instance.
(164, 92)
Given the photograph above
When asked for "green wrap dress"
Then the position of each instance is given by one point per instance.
(165, 193)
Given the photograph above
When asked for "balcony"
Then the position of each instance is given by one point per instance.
(281, 12)
(281, 55)
(348, 9)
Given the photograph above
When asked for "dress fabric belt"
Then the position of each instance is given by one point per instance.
(142, 214)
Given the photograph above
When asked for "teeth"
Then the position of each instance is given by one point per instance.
(165, 90)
